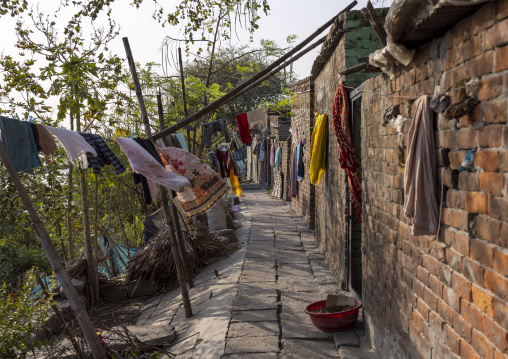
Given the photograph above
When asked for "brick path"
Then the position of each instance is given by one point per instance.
(255, 308)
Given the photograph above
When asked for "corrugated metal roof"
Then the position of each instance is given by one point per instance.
(436, 24)
(283, 126)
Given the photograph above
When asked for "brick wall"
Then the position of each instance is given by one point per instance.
(446, 298)
(302, 120)
(330, 194)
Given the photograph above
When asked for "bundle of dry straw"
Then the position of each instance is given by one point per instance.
(155, 261)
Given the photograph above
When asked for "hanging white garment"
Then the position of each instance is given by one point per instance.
(74, 144)
(143, 162)
(420, 200)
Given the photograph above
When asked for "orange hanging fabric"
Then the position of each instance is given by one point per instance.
(347, 152)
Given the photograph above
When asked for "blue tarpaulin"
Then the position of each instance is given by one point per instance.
(118, 254)
(50, 282)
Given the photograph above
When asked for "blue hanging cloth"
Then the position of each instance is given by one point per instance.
(19, 142)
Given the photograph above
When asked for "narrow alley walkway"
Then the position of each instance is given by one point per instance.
(254, 309)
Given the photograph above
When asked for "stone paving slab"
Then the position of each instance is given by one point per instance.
(305, 349)
(269, 315)
(251, 356)
(255, 329)
(255, 303)
(264, 344)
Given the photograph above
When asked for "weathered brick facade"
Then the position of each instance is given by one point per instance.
(438, 299)
(330, 194)
(423, 298)
(302, 120)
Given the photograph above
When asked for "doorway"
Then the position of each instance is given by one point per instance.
(353, 225)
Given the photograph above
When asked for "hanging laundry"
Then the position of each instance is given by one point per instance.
(235, 183)
(74, 145)
(222, 159)
(206, 185)
(144, 163)
(238, 141)
(318, 144)
(261, 155)
(243, 128)
(347, 151)
(292, 182)
(299, 162)
(240, 154)
(255, 116)
(420, 201)
(44, 140)
(212, 127)
(232, 163)
(104, 154)
(181, 139)
(272, 155)
(278, 157)
(243, 170)
(19, 142)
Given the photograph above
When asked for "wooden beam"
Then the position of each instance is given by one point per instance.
(370, 15)
(72, 295)
(357, 68)
(226, 98)
(164, 199)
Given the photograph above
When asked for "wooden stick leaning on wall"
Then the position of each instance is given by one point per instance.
(226, 98)
(370, 15)
(72, 295)
(172, 207)
(164, 199)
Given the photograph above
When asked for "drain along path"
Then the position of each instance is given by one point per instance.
(283, 271)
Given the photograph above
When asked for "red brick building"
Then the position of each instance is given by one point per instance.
(423, 297)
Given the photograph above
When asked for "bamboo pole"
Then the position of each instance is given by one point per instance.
(174, 215)
(226, 98)
(70, 240)
(61, 318)
(56, 262)
(182, 79)
(370, 15)
(174, 244)
(91, 264)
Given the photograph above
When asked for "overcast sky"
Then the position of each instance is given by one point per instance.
(286, 17)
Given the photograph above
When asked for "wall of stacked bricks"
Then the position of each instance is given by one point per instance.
(330, 194)
(302, 119)
(447, 298)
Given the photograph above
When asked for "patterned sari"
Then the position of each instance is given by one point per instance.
(206, 187)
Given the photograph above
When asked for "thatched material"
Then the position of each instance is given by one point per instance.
(155, 261)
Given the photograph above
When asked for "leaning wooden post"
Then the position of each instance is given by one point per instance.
(172, 207)
(164, 199)
(56, 262)
(61, 318)
(184, 98)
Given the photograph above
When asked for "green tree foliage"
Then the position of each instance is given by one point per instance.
(20, 316)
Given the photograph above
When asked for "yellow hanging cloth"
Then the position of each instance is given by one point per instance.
(235, 183)
(318, 149)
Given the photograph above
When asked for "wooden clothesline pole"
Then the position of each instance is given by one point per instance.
(180, 272)
(172, 207)
(184, 98)
(72, 295)
(227, 97)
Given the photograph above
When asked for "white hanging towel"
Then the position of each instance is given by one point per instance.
(143, 162)
(74, 144)
(420, 200)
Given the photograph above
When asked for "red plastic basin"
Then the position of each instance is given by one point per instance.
(333, 322)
